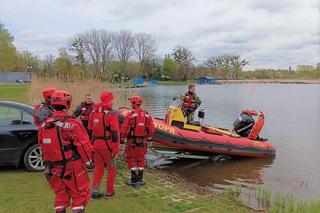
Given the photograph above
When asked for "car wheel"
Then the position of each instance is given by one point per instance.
(33, 159)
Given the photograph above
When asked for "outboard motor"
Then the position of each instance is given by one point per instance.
(243, 125)
(246, 126)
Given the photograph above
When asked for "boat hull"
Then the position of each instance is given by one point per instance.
(167, 136)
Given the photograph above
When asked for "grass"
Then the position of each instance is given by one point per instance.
(22, 191)
(173, 83)
(26, 192)
(14, 92)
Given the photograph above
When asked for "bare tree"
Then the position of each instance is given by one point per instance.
(184, 58)
(123, 43)
(97, 47)
(144, 48)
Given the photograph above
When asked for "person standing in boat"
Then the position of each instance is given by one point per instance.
(190, 102)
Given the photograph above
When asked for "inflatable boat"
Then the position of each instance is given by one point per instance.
(174, 134)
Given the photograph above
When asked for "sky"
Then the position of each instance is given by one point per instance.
(269, 33)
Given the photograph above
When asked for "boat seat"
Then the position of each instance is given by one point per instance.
(195, 123)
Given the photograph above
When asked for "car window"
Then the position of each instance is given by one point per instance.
(27, 118)
(9, 116)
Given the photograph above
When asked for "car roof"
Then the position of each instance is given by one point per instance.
(22, 106)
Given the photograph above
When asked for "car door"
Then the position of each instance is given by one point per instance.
(13, 134)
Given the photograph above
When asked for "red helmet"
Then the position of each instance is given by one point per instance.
(135, 100)
(106, 97)
(48, 92)
(62, 98)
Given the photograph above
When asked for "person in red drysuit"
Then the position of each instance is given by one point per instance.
(43, 110)
(83, 110)
(104, 124)
(138, 128)
(67, 152)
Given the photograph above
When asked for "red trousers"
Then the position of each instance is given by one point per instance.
(74, 185)
(136, 154)
(102, 158)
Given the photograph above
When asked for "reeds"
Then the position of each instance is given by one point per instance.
(280, 203)
(78, 88)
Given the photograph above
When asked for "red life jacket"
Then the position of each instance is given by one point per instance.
(139, 124)
(85, 111)
(101, 129)
(53, 145)
(188, 101)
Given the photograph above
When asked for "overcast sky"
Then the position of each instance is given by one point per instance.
(269, 33)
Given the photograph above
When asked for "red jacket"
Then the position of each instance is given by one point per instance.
(72, 136)
(104, 123)
(128, 125)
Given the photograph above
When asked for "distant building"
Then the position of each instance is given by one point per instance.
(305, 68)
(206, 80)
(15, 77)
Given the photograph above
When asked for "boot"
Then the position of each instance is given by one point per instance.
(109, 195)
(133, 180)
(140, 180)
(78, 211)
(96, 194)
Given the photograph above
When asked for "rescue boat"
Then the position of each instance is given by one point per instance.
(173, 133)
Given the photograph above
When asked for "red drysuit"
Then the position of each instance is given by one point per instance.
(137, 127)
(104, 124)
(66, 147)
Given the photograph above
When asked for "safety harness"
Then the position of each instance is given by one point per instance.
(63, 148)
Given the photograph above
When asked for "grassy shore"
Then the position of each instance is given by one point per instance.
(174, 83)
(22, 191)
(280, 81)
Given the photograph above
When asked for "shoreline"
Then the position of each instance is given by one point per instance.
(270, 81)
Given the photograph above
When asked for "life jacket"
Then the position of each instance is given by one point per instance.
(139, 125)
(55, 148)
(188, 101)
(101, 129)
(85, 111)
(41, 113)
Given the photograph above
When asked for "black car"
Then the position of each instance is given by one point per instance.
(19, 136)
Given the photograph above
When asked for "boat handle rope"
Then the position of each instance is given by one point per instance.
(241, 147)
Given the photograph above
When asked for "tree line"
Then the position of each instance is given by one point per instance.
(122, 55)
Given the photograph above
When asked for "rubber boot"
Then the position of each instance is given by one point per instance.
(96, 194)
(134, 178)
(140, 180)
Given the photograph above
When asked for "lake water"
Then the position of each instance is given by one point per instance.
(292, 125)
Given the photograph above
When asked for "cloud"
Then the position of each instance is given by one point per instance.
(274, 33)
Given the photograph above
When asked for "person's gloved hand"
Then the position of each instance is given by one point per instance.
(89, 165)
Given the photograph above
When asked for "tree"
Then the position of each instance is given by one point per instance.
(77, 47)
(63, 65)
(144, 48)
(229, 66)
(169, 67)
(123, 43)
(94, 46)
(184, 58)
(8, 52)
